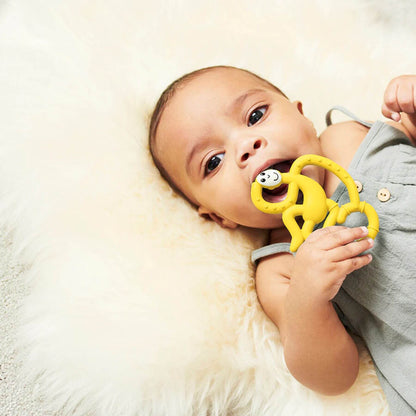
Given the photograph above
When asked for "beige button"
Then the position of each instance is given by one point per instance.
(359, 186)
(383, 195)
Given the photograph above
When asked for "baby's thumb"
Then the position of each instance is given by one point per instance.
(387, 112)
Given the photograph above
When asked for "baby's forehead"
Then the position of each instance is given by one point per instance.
(213, 88)
(221, 78)
(221, 84)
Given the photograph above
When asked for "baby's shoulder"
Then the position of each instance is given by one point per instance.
(340, 141)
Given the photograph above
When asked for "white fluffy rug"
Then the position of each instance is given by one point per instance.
(130, 303)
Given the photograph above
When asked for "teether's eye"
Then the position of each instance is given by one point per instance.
(269, 177)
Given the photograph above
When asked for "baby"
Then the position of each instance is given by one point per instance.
(214, 130)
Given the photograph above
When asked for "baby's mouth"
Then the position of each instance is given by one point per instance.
(277, 194)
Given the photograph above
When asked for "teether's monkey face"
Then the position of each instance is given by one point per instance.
(269, 178)
(219, 131)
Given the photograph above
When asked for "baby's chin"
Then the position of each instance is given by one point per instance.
(262, 221)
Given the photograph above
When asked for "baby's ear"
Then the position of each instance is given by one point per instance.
(298, 106)
(223, 222)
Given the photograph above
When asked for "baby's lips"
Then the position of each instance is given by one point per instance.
(262, 168)
(282, 165)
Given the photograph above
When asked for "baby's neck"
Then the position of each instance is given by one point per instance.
(279, 235)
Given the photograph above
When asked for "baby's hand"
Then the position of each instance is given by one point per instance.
(400, 97)
(325, 259)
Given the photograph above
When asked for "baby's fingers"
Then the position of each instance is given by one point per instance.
(400, 96)
(351, 250)
(406, 98)
(355, 263)
(338, 236)
(391, 108)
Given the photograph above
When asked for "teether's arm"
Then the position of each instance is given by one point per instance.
(355, 205)
(333, 167)
(272, 207)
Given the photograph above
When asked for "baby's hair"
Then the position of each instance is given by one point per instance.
(163, 101)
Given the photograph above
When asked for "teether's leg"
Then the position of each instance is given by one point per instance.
(307, 228)
(289, 220)
(346, 210)
(333, 210)
(363, 207)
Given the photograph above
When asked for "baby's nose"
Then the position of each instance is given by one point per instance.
(249, 148)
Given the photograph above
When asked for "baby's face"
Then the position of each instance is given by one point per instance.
(219, 131)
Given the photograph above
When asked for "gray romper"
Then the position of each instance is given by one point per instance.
(378, 302)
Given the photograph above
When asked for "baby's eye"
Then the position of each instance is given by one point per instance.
(256, 115)
(213, 162)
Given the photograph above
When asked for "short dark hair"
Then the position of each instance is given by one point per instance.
(161, 104)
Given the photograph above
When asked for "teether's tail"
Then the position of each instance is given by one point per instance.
(339, 215)
(333, 210)
(373, 224)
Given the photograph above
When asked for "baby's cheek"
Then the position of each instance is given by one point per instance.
(237, 209)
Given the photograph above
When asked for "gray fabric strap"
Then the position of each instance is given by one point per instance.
(269, 250)
(347, 113)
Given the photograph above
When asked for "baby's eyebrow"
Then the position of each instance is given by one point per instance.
(241, 98)
(197, 147)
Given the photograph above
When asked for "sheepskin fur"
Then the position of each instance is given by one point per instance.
(133, 304)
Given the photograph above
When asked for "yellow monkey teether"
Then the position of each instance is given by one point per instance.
(315, 205)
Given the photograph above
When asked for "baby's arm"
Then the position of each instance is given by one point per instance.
(318, 350)
(400, 103)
